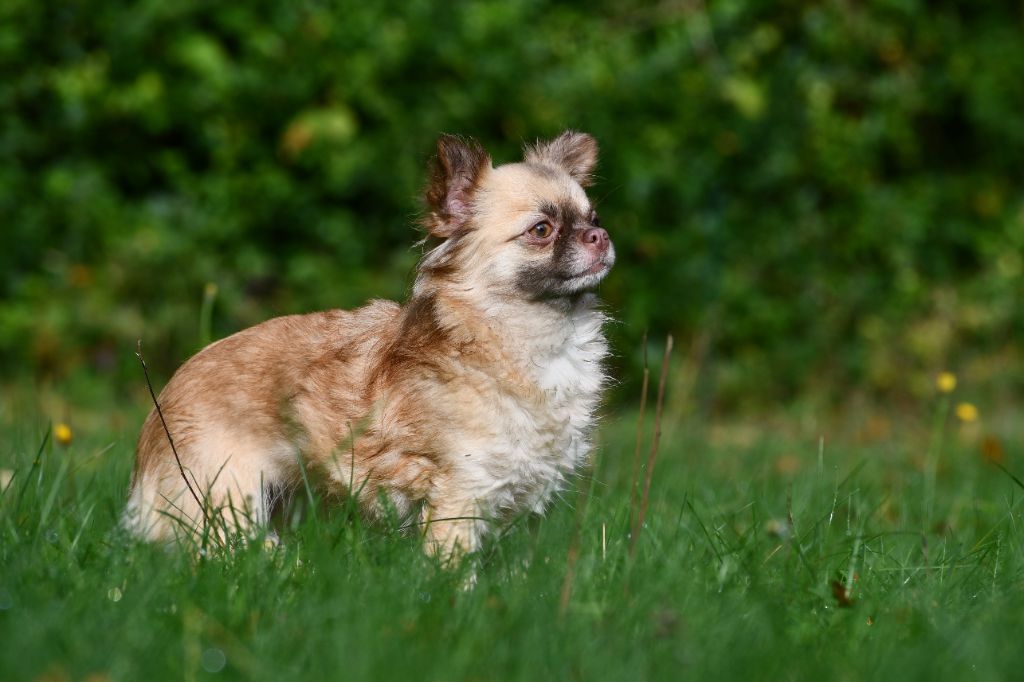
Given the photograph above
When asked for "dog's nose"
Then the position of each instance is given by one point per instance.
(596, 238)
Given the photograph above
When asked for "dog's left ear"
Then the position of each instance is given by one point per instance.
(574, 152)
(455, 172)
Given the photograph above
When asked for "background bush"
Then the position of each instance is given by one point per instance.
(808, 195)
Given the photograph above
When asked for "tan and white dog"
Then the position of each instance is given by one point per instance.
(473, 401)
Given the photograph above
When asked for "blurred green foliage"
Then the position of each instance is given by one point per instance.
(807, 194)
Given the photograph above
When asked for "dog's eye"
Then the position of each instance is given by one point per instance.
(542, 230)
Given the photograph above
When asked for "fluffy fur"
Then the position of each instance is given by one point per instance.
(473, 401)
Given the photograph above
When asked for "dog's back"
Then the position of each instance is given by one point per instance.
(241, 409)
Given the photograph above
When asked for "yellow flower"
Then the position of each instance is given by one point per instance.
(62, 433)
(946, 382)
(967, 412)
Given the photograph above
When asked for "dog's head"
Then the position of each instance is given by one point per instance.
(523, 229)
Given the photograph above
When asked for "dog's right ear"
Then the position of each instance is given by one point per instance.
(455, 174)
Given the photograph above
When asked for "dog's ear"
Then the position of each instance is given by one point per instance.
(572, 151)
(455, 172)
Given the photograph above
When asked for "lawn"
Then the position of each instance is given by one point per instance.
(881, 546)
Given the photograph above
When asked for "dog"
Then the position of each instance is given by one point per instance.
(473, 401)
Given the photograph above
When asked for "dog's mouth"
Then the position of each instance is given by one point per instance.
(598, 268)
(591, 276)
(544, 283)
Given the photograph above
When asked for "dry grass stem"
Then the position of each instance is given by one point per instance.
(652, 456)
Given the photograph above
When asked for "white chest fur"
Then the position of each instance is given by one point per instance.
(536, 442)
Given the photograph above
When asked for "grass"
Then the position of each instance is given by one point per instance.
(766, 553)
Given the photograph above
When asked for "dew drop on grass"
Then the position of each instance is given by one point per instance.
(214, 660)
(51, 537)
(114, 594)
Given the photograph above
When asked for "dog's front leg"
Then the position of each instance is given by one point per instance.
(452, 527)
